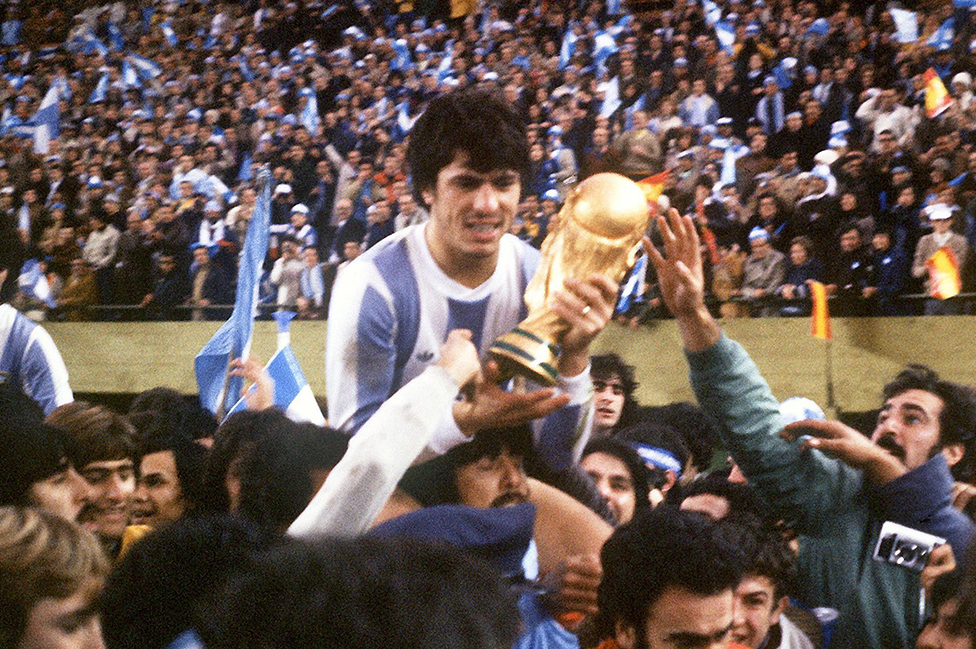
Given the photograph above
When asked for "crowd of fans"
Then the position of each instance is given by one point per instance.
(437, 508)
(799, 138)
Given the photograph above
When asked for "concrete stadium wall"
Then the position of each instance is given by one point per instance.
(126, 358)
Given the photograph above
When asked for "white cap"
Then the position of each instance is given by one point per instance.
(283, 188)
(299, 208)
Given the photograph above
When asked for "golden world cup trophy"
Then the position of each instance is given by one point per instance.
(598, 230)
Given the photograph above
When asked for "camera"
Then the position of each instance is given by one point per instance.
(905, 547)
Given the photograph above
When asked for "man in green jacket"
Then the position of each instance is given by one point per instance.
(836, 502)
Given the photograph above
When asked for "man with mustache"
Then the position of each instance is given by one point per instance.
(832, 485)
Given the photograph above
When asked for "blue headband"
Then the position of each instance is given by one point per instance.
(658, 457)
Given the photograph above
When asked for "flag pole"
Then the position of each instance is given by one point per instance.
(829, 369)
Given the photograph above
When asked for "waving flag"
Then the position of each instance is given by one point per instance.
(90, 44)
(941, 39)
(169, 34)
(100, 91)
(291, 390)
(906, 24)
(115, 37)
(33, 283)
(653, 187)
(633, 288)
(820, 317)
(725, 33)
(611, 97)
(945, 281)
(218, 390)
(244, 174)
(129, 75)
(937, 98)
(568, 47)
(145, 68)
(310, 114)
(47, 120)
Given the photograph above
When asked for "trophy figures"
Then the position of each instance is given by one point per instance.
(598, 230)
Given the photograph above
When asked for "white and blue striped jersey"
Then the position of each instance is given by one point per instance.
(392, 309)
(30, 360)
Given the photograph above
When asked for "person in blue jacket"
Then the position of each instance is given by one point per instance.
(832, 485)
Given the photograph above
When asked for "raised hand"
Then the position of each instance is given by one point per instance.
(679, 270)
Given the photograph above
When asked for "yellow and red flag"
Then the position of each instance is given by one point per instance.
(944, 279)
(653, 186)
(937, 98)
(820, 317)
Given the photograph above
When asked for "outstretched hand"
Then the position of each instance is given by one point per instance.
(487, 405)
(679, 270)
(848, 445)
(681, 279)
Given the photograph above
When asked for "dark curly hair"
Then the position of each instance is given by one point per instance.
(477, 121)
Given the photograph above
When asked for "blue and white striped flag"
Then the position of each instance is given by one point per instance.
(145, 68)
(129, 75)
(401, 59)
(310, 113)
(169, 34)
(725, 33)
(90, 44)
(603, 46)
(245, 69)
(219, 390)
(47, 120)
(291, 390)
(568, 48)
(217, 188)
(100, 91)
(611, 97)
(713, 13)
(728, 166)
(244, 174)
(942, 38)
(115, 37)
(906, 24)
(633, 288)
(33, 283)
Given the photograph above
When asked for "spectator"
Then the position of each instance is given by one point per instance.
(802, 269)
(286, 274)
(763, 273)
(50, 570)
(101, 444)
(941, 218)
(889, 274)
(209, 286)
(620, 476)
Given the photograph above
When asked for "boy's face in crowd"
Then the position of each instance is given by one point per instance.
(608, 401)
(936, 635)
(63, 493)
(471, 210)
(756, 610)
(680, 619)
(493, 481)
(158, 498)
(65, 623)
(615, 483)
(112, 484)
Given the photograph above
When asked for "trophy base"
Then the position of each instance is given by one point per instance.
(520, 352)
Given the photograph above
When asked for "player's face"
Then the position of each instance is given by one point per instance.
(471, 210)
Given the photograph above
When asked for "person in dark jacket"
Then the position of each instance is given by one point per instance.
(887, 276)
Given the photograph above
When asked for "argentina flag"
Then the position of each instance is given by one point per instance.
(292, 393)
(219, 390)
